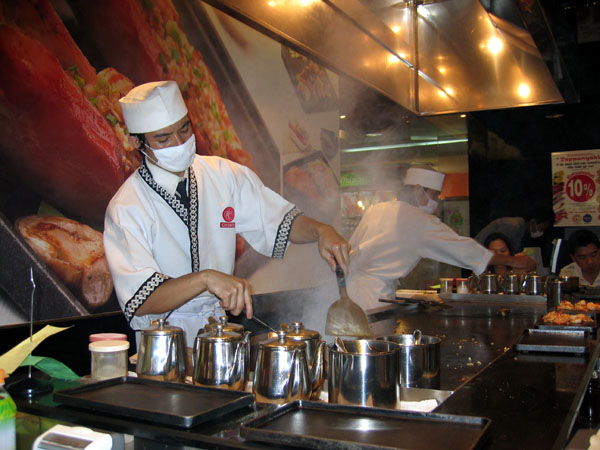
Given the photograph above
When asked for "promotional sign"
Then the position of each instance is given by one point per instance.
(576, 188)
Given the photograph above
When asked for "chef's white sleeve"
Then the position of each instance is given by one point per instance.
(441, 243)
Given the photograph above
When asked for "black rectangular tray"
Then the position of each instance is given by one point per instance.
(177, 404)
(321, 425)
(589, 327)
(554, 341)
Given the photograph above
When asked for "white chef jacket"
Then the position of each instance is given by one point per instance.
(150, 236)
(574, 270)
(391, 239)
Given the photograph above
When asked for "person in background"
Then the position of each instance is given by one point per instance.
(522, 232)
(498, 243)
(170, 230)
(584, 247)
(392, 237)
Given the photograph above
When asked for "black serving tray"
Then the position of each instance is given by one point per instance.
(554, 341)
(181, 405)
(320, 425)
(589, 327)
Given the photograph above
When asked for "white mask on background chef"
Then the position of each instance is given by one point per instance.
(430, 207)
(537, 233)
(176, 158)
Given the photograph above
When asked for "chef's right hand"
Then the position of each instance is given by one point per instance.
(522, 261)
(233, 292)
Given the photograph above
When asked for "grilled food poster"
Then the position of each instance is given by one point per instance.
(576, 188)
(64, 65)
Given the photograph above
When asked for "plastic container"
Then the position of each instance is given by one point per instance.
(109, 359)
(108, 337)
(8, 412)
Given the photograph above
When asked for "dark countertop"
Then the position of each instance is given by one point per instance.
(532, 400)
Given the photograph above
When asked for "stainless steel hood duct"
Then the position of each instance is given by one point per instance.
(432, 57)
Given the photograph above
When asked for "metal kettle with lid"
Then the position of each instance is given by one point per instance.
(533, 284)
(161, 354)
(488, 283)
(227, 326)
(282, 374)
(221, 358)
(297, 332)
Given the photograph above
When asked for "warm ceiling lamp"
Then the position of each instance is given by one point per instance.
(494, 45)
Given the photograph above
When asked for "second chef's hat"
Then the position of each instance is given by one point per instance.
(152, 106)
(428, 178)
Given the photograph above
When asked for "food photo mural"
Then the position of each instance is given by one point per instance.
(64, 147)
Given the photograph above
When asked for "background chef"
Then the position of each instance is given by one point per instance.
(392, 237)
(170, 230)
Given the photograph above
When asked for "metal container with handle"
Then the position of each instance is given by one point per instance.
(221, 358)
(364, 373)
(282, 374)
(161, 354)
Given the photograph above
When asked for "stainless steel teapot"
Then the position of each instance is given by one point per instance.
(297, 332)
(221, 358)
(161, 354)
(282, 374)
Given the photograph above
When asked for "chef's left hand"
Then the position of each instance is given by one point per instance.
(333, 247)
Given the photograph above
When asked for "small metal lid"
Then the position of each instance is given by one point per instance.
(161, 327)
(227, 326)
(298, 332)
(282, 342)
(219, 334)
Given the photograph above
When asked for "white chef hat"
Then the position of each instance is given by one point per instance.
(152, 106)
(428, 178)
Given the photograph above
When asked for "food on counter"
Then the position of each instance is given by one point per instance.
(143, 40)
(75, 252)
(581, 305)
(70, 146)
(300, 180)
(563, 318)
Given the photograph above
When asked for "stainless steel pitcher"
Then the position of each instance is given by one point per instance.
(511, 284)
(161, 354)
(282, 374)
(488, 283)
(365, 373)
(221, 358)
(533, 284)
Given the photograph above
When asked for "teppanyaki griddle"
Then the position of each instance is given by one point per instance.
(182, 405)
(320, 425)
(554, 341)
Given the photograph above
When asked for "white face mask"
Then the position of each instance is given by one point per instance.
(176, 158)
(430, 207)
(536, 234)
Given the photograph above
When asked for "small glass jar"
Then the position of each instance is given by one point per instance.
(109, 359)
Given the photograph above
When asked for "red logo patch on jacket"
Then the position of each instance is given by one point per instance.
(228, 215)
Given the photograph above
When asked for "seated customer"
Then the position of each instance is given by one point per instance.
(499, 244)
(585, 253)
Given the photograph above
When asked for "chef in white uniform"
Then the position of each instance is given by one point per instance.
(172, 251)
(392, 237)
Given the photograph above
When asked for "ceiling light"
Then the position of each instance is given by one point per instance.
(406, 145)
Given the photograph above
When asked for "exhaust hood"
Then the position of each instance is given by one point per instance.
(430, 56)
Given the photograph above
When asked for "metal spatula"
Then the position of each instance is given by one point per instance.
(344, 317)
